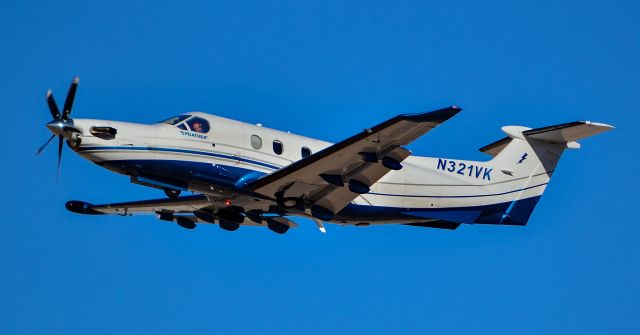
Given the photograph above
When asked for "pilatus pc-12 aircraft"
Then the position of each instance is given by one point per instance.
(248, 175)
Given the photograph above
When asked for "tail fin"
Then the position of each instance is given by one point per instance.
(532, 154)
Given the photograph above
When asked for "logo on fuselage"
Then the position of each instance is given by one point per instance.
(192, 134)
(523, 158)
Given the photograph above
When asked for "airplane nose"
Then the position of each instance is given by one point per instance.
(62, 128)
(56, 127)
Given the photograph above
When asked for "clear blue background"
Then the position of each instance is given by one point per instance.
(325, 69)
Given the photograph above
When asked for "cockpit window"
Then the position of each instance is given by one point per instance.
(175, 119)
(188, 122)
(198, 124)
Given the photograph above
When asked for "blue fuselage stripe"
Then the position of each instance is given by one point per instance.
(456, 196)
(193, 152)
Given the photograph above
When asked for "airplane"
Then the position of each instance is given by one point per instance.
(242, 174)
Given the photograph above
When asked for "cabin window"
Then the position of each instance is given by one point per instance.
(198, 124)
(256, 142)
(183, 127)
(277, 147)
(305, 152)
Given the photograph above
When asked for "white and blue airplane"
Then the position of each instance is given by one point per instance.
(248, 175)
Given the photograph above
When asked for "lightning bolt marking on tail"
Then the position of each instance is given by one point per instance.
(523, 158)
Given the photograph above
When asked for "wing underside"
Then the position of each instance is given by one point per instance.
(181, 211)
(186, 211)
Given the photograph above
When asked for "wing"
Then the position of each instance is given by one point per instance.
(186, 204)
(183, 210)
(330, 179)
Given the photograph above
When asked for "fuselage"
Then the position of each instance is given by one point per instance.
(218, 162)
(243, 171)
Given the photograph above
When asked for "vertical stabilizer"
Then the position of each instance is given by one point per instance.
(532, 156)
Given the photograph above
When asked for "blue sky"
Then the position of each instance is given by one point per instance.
(324, 69)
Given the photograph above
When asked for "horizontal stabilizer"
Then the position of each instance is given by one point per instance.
(567, 132)
(494, 148)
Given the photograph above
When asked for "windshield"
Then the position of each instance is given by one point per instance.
(175, 119)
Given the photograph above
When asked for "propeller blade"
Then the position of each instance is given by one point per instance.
(60, 140)
(45, 145)
(68, 103)
(53, 107)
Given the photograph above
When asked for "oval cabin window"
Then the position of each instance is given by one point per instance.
(277, 147)
(305, 152)
(256, 142)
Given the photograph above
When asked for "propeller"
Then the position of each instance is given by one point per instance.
(61, 125)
